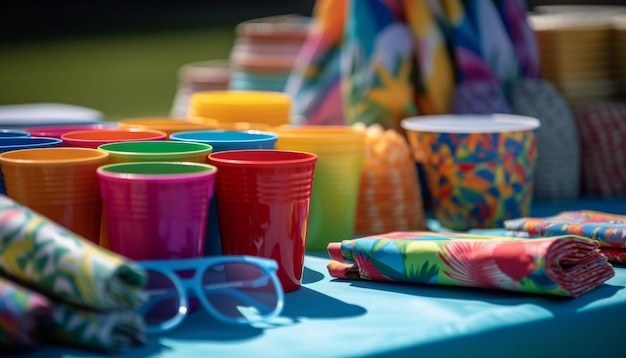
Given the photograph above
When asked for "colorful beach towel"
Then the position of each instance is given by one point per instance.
(564, 266)
(63, 265)
(606, 228)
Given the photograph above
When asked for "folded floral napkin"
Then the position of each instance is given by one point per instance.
(59, 263)
(565, 266)
(608, 229)
(23, 313)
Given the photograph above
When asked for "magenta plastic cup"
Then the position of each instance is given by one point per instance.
(157, 210)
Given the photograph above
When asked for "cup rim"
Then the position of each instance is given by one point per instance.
(202, 148)
(103, 171)
(255, 136)
(71, 136)
(470, 123)
(229, 157)
(15, 157)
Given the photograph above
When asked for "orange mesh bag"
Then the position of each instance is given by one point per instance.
(389, 196)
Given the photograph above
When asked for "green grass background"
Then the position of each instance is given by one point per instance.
(121, 75)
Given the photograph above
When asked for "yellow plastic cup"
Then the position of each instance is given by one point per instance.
(266, 107)
(341, 155)
(59, 183)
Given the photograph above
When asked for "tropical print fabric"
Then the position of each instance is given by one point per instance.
(59, 263)
(23, 313)
(86, 294)
(563, 266)
(606, 228)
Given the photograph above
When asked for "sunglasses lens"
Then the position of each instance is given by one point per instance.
(163, 299)
(240, 292)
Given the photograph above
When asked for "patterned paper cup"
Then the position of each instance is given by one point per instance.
(479, 168)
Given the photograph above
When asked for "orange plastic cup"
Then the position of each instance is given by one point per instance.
(94, 138)
(166, 124)
(59, 183)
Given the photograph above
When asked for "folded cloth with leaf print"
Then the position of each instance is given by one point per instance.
(23, 316)
(28, 318)
(564, 266)
(608, 229)
(61, 264)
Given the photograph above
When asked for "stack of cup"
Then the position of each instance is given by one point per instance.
(575, 51)
(221, 141)
(341, 155)
(212, 75)
(265, 51)
(259, 108)
(167, 125)
(390, 196)
(59, 183)
(619, 41)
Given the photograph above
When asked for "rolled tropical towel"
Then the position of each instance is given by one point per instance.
(63, 265)
(564, 266)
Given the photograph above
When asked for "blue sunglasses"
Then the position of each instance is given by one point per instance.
(234, 289)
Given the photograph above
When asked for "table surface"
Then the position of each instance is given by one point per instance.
(338, 318)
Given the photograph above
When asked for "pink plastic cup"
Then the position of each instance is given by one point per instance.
(58, 131)
(157, 210)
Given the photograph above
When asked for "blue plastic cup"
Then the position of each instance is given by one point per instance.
(222, 141)
(25, 142)
(13, 133)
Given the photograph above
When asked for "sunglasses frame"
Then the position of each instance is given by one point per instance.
(200, 265)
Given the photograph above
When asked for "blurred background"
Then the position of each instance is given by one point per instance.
(122, 57)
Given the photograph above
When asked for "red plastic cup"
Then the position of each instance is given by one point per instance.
(263, 199)
(93, 138)
(157, 210)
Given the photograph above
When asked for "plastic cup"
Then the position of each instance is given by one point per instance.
(93, 138)
(13, 133)
(265, 107)
(59, 183)
(24, 142)
(479, 168)
(58, 131)
(166, 218)
(222, 141)
(153, 151)
(165, 124)
(341, 155)
(263, 198)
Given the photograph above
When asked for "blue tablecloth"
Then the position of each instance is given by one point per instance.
(336, 318)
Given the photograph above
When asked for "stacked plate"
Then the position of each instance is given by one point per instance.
(265, 51)
(211, 75)
(389, 197)
(576, 52)
(619, 40)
